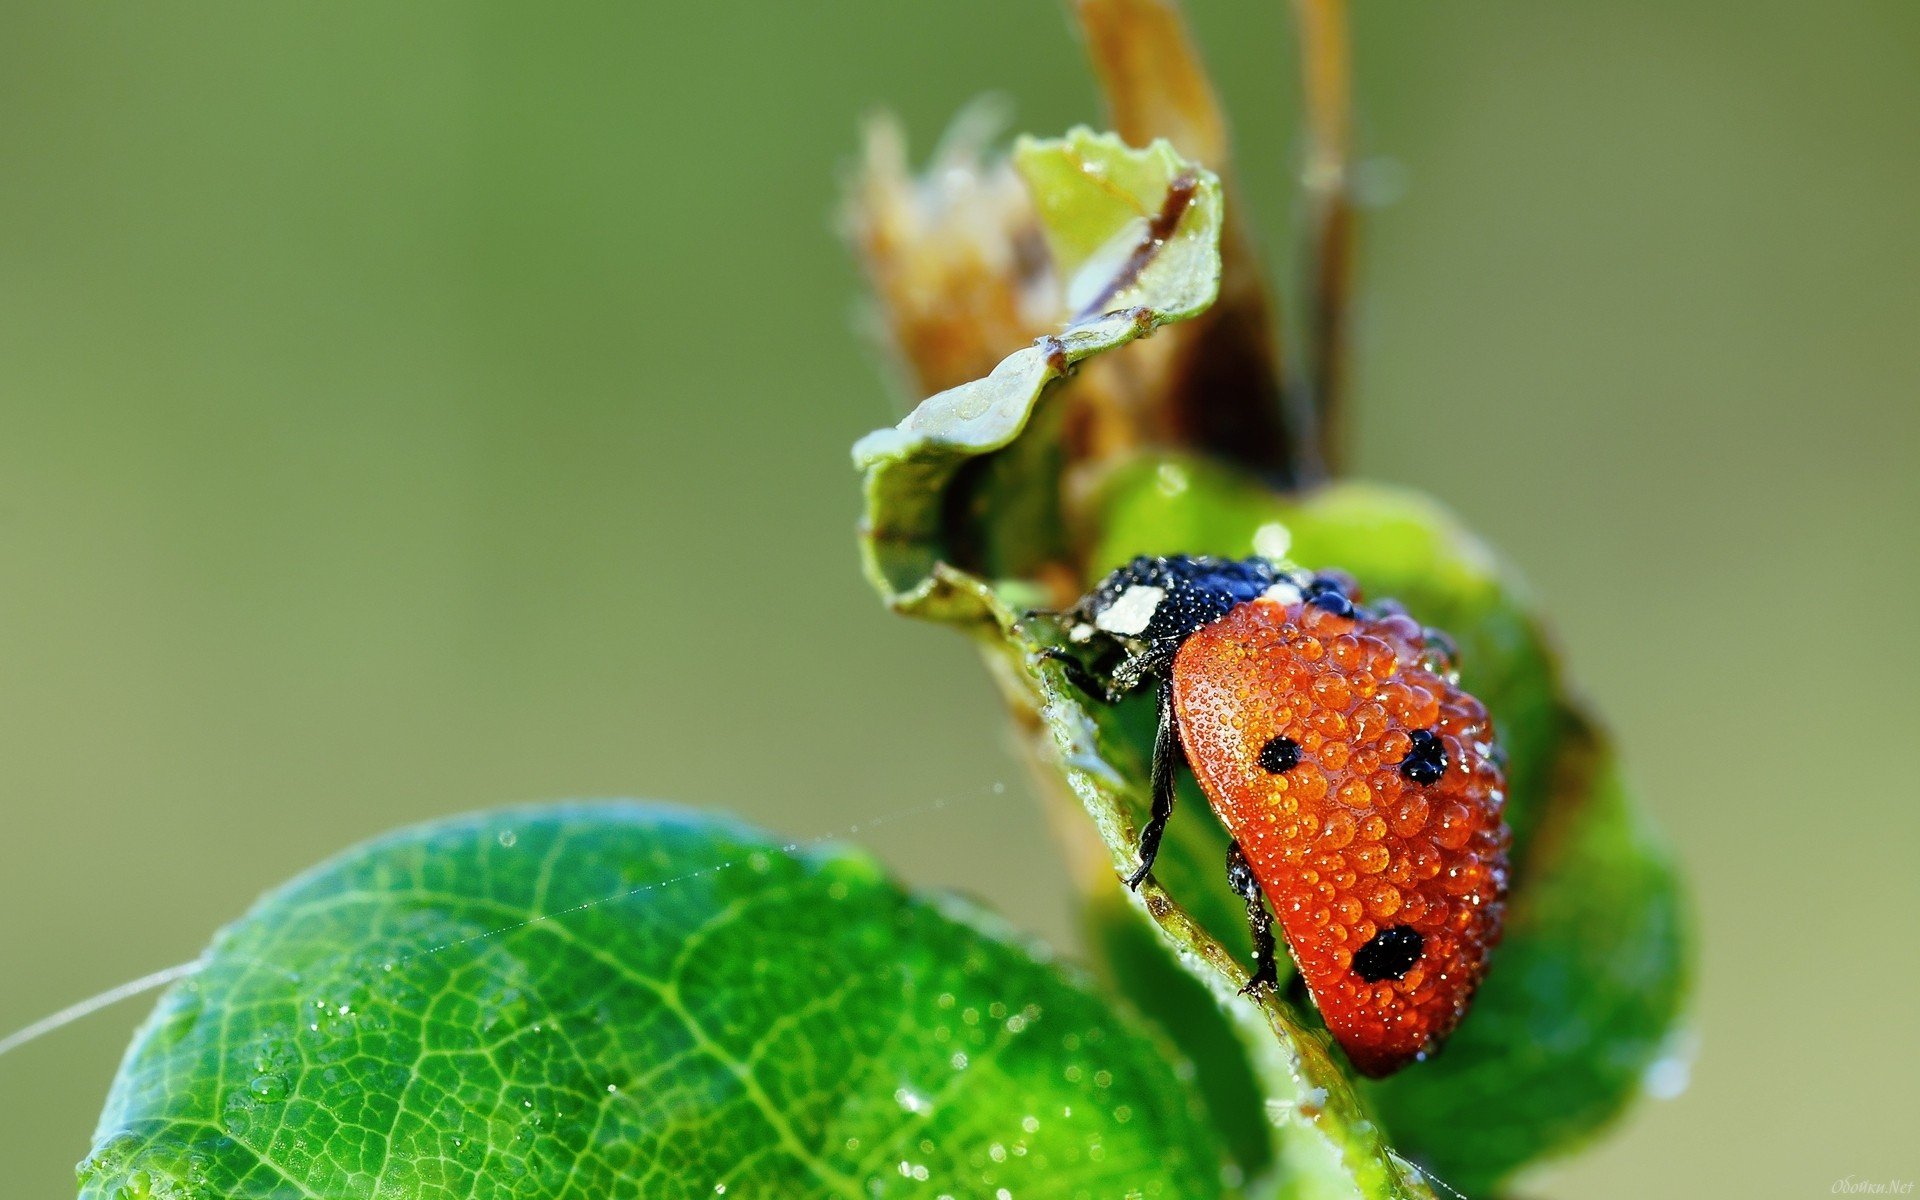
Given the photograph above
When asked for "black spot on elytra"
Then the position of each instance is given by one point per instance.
(1280, 755)
(1426, 759)
(1390, 954)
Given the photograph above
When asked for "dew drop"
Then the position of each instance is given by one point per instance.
(912, 1101)
(1410, 816)
(1340, 829)
(1383, 899)
(1668, 1075)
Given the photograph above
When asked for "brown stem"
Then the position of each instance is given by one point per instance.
(1219, 391)
(1326, 63)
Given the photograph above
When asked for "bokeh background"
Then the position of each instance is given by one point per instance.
(411, 408)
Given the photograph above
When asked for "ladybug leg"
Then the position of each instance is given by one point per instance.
(1137, 668)
(1167, 757)
(1132, 673)
(1128, 676)
(1240, 876)
(1082, 676)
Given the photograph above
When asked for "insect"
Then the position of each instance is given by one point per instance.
(1361, 787)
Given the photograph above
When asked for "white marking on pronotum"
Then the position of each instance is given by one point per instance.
(93, 1004)
(1132, 612)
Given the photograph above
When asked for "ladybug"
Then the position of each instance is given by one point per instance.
(1361, 787)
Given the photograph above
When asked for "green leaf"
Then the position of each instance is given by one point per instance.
(612, 1000)
(1588, 985)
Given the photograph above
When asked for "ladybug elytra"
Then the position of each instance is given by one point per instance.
(1360, 785)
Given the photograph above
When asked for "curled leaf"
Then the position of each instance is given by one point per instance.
(1137, 231)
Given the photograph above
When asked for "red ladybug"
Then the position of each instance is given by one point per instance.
(1361, 786)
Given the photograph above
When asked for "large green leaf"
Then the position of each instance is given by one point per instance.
(1588, 984)
(617, 1000)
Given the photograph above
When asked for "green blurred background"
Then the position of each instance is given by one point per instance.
(410, 408)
